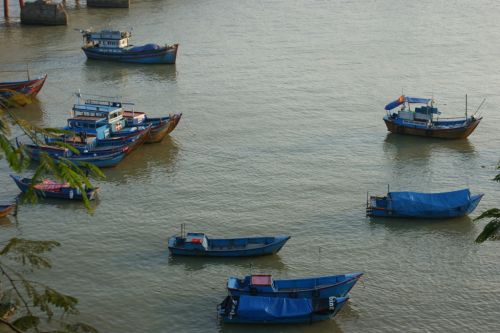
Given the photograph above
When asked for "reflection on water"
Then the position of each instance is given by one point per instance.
(121, 73)
(148, 157)
(403, 147)
(8, 221)
(262, 264)
(32, 112)
(461, 225)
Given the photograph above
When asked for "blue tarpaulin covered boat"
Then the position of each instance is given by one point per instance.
(320, 286)
(198, 244)
(424, 205)
(278, 310)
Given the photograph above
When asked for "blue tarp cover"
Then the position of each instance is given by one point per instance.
(402, 99)
(270, 308)
(147, 47)
(429, 204)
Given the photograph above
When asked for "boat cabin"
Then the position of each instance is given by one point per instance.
(193, 240)
(96, 117)
(107, 39)
(422, 113)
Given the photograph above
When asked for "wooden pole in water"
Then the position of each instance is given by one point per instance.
(5, 8)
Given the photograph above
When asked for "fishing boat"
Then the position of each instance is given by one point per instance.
(321, 286)
(101, 160)
(104, 121)
(278, 310)
(423, 119)
(161, 126)
(114, 45)
(7, 209)
(198, 244)
(51, 189)
(423, 205)
(29, 87)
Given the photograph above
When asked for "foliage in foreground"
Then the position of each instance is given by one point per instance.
(31, 305)
(27, 305)
(491, 230)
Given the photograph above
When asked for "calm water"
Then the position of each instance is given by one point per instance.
(281, 133)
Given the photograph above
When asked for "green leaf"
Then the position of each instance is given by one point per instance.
(490, 231)
(494, 212)
(26, 322)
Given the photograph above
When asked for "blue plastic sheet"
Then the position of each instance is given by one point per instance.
(147, 47)
(446, 204)
(271, 308)
(407, 99)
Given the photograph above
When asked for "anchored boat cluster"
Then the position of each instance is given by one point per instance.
(104, 130)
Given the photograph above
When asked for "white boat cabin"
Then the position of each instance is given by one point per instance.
(106, 39)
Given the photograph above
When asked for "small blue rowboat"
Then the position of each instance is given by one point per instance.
(198, 244)
(423, 205)
(51, 189)
(321, 286)
(278, 310)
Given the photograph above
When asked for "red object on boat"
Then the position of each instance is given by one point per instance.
(50, 185)
(262, 280)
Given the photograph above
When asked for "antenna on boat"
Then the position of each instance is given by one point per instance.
(479, 107)
(466, 107)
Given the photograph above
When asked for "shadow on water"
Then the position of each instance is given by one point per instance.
(407, 147)
(109, 71)
(252, 265)
(148, 157)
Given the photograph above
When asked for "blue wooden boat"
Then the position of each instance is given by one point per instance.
(278, 310)
(114, 46)
(104, 121)
(50, 189)
(424, 120)
(321, 286)
(423, 205)
(95, 158)
(198, 244)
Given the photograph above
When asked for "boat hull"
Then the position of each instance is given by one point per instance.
(99, 160)
(29, 87)
(227, 251)
(166, 55)
(163, 128)
(436, 132)
(322, 287)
